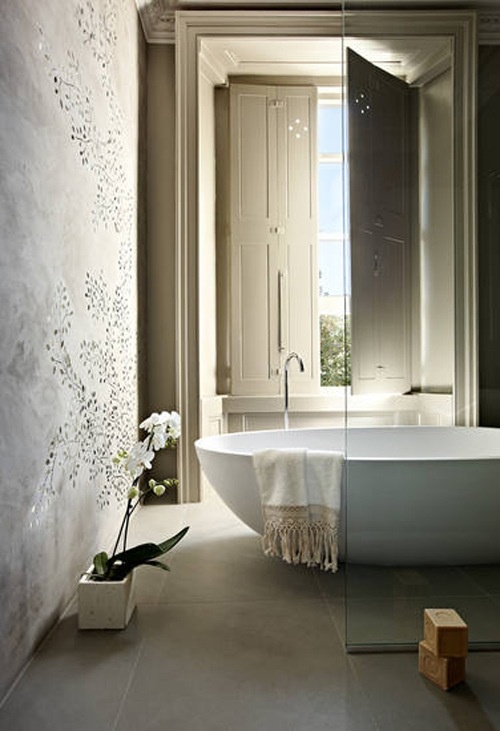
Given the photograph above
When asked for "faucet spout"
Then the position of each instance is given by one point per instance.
(290, 357)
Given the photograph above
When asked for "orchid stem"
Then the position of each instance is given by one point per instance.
(122, 526)
(127, 521)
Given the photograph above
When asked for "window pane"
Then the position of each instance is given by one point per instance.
(331, 269)
(330, 197)
(329, 129)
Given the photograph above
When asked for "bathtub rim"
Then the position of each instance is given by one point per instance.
(216, 443)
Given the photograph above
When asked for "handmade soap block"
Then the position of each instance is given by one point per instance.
(445, 633)
(444, 671)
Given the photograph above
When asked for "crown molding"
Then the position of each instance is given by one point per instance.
(158, 19)
(489, 28)
(158, 16)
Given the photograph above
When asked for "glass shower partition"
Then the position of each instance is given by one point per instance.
(423, 452)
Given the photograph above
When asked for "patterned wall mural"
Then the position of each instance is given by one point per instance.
(69, 90)
(99, 373)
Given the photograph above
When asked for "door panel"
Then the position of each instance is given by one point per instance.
(379, 125)
(274, 277)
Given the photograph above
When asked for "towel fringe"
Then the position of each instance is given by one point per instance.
(301, 497)
(314, 543)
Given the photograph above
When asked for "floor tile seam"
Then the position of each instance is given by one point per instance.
(470, 578)
(39, 647)
(366, 697)
(465, 596)
(232, 602)
(15, 683)
(128, 685)
(319, 584)
(307, 594)
(331, 614)
(350, 595)
(350, 664)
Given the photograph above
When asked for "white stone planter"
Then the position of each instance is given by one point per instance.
(105, 604)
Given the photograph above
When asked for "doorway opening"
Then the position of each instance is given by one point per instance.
(197, 63)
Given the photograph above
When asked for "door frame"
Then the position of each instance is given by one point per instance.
(191, 28)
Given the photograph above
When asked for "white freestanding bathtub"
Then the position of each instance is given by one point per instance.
(410, 495)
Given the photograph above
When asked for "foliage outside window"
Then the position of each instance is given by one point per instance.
(335, 344)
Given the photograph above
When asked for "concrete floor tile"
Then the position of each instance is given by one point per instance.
(232, 567)
(76, 681)
(404, 700)
(233, 640)
(246, 666)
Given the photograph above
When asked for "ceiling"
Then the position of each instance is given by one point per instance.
(406, 58)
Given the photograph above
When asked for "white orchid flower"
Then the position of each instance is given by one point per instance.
(174, 425)
(175, 419)
(139, 458)
(154, 420)
(149, 423)
(164, 417)
(158, 438)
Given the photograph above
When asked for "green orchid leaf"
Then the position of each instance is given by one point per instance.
(118, 571)
(101, 563)
(138, 554)
(171, 542)
(158, 564)
(118, 566)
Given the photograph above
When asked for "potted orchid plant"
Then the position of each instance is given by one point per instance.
(114, 573)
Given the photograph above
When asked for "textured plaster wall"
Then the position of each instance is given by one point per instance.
(70, 79)
(161, 274)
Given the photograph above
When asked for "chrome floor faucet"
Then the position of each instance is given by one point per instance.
(290, 357)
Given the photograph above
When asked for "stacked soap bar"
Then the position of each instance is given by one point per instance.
(442, 652)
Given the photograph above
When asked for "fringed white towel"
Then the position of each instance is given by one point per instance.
(300, 493)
